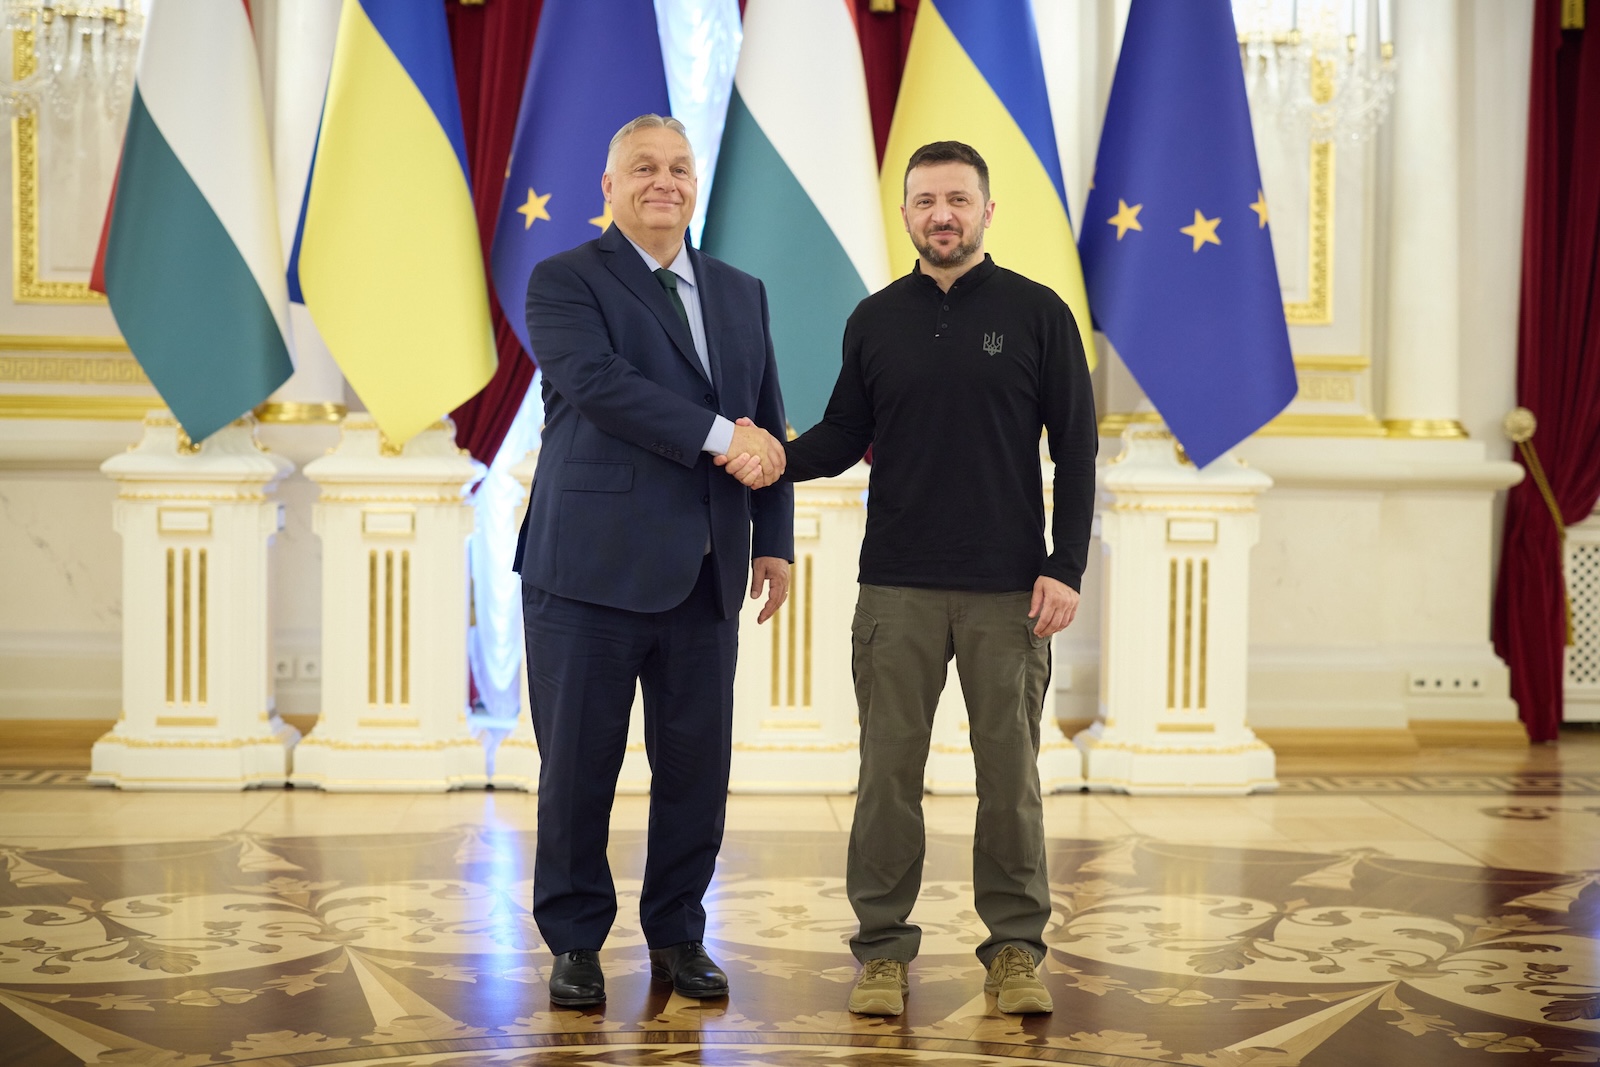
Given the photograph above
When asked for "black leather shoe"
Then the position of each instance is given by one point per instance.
(691, 972)
(576, 980)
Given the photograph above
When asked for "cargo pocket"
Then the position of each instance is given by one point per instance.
(862, 629)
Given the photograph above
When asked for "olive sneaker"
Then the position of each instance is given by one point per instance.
(881, 989)
(1014, 979)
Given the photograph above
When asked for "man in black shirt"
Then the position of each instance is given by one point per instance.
(951, 373)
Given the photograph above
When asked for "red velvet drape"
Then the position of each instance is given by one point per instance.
(1558, 356)
(492, 43)
(885, 38)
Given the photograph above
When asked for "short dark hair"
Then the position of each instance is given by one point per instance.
(948, 152)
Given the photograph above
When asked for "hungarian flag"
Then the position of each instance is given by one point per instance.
(803, 219)
(190, 257)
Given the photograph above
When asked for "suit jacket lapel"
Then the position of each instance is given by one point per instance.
(625, 263)
(711, 314)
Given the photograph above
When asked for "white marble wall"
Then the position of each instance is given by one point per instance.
(1362, 579)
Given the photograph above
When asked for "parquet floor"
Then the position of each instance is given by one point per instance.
(1437, 912)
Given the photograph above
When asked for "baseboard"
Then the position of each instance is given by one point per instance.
(65, 734)
(1287, 741)
(1468, 733)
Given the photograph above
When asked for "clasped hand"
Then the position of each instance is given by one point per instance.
(755, 457)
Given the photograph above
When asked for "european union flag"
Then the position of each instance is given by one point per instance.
(1177, 256)
(594, 67)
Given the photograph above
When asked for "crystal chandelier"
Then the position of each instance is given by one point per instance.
(64, 55)
(1324, 68)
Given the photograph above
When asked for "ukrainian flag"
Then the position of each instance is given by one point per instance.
(388, 258)
(973, 74)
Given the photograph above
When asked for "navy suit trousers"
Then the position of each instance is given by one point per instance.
(583, 660)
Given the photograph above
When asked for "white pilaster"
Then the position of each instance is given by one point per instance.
(197, 708)
(794, 706)
(1174, 625)
(1422, 372)
(394, 528)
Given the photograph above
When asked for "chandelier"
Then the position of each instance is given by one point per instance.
(1324, 68)
(65, 55)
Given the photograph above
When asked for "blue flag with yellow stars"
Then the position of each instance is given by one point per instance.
(1177, 256)
(594, 67)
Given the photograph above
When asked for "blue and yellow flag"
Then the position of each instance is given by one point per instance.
(387, 257)
(552, 200)
(973, 74)
(1176, 248)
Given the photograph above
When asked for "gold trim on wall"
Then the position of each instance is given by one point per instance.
(26, 285)
(1317, 308)
(1285, 425)
(72, 370)
(1425, 429)
(99, 408)
(44, 342)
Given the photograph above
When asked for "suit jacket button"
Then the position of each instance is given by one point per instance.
(711, 398)
(706, 499)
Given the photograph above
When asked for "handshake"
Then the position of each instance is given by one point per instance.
(755, 457)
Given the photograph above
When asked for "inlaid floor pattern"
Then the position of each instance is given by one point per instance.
(1385, 924)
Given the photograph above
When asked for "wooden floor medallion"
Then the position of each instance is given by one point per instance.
(418, 949)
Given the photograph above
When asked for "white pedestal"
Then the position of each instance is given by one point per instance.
(794, 707)
(950, 767)
(1175, 625)
(394, 528)
(197, 707)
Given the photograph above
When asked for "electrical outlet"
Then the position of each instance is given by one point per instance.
(1447, 684)
(308, 668)
(283, 668)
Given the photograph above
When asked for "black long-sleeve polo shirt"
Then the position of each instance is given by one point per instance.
(951, 391)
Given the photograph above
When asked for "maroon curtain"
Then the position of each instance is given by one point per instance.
(885, 39)
(1558, 357)
(492, 43)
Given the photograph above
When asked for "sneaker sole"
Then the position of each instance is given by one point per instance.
(1026, 1005)
(576, 1002)
(877, 1005)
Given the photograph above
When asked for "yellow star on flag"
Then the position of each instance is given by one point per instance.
(603, 219)
(1260, 208)
(1126, 218)
(534, 209)
(1203, 230)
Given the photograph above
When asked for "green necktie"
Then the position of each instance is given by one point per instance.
(669, 282)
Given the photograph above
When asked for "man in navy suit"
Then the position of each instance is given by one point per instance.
(656, 359)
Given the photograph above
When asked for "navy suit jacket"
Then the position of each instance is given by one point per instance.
(624, 499)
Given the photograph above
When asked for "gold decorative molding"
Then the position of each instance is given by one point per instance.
(1425, 429)
(1317, 308)
(26, 285)
(1294, 425)
(98, 408)
(295, 412)
(182, 721)
(45, 342)
(1332, 364)
(1285, 425)
(72, 370)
